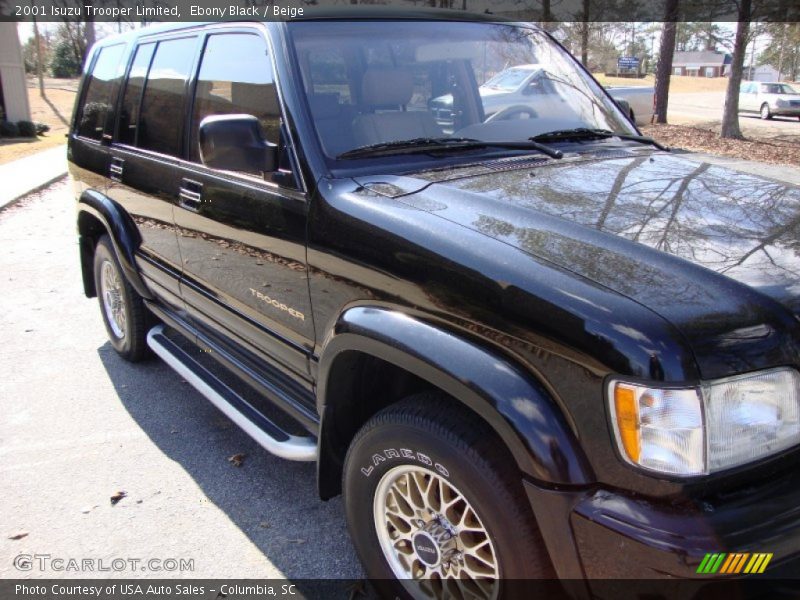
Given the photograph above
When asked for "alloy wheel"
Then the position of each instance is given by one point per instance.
(429, 531)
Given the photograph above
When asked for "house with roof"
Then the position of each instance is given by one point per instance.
(13, 89)
(705, 63)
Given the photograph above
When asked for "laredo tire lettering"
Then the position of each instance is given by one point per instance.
(389, 453)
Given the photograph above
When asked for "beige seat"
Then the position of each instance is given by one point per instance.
(385, 93)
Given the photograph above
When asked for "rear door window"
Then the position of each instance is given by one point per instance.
(97, 101)
(164, 101)
(131, 101)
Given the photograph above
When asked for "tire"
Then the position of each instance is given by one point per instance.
(765, 112)
(123, 310)
(430, 438)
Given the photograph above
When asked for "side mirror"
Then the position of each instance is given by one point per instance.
(530, 88)
(235, 143)
(623, 106)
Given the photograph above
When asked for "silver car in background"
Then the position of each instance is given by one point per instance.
(530, 90)
(769, 99)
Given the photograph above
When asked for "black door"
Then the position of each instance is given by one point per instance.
(242, 235)
(146, 154)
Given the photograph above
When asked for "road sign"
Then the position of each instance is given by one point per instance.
(628, 62)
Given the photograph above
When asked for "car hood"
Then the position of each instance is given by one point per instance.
(487, 92)
(447, 99)
(710, 249)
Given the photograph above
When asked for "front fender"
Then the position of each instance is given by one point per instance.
(122, 231)
(516, 406)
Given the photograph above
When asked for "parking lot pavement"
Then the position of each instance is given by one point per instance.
(78, 425)
(705, 109)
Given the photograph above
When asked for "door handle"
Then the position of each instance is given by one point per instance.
(190, 195)
(116, 168)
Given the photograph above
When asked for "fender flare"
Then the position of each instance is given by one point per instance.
(121, 229)
(515, 405)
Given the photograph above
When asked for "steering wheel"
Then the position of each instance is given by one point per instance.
(512, 112)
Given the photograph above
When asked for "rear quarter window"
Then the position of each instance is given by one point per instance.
(99, 88)
(164, 101)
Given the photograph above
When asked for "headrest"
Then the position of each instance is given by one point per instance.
(385, 87)
(324, 106)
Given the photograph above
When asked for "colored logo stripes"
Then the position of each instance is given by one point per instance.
(737, 562)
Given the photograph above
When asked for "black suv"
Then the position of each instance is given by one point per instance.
(522, 345)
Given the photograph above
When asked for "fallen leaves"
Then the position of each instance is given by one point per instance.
(237, 460)
(18, 536)
(697, 139)
(118, 496)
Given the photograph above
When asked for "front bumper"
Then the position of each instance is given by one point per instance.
(599, 534)
(785, 111)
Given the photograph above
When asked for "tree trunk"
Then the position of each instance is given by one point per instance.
(546, 15)
(585, 34)
(730, 117)
(89, 37)
(39, 65)
(666, 52)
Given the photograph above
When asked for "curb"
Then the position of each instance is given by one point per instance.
(38, 187)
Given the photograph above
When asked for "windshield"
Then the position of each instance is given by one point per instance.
(777, 88)
(379, 82)
(508, 80)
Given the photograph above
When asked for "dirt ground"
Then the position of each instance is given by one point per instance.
(54, 110)
(699, 139)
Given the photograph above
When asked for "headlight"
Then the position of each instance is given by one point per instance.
(709, 428)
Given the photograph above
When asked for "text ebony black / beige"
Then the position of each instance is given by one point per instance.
(522, 340)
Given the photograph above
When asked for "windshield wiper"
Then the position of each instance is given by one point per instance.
(585, 133)
(444, 144)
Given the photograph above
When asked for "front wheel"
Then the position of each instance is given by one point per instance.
(765, 112)
(431, 487)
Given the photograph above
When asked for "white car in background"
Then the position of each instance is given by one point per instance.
(769, 99)
(530, 90)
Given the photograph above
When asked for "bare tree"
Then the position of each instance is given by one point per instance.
(730, 117)
(666, 54)
(39, 58)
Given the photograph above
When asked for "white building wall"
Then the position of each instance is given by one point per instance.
(12, 72)
(765, 73)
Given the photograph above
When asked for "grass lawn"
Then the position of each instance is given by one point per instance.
(54, 110)
(678, 84)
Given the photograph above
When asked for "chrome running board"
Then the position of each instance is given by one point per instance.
(268, 435)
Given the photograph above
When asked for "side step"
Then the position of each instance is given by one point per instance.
(268, 435)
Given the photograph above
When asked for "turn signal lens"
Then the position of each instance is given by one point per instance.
(628, 421)
(659, 429)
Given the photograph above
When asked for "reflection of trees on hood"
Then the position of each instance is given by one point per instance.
(731, 222)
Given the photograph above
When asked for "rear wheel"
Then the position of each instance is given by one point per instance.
(765, 112)
(123, 310)
(432, 495)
